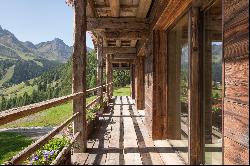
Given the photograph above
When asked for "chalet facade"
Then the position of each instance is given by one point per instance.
(189, 64)
(163, 42)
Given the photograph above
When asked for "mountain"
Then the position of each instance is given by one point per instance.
(22, 61)
(55, 50)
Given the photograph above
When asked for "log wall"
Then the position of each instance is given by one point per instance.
(236, 84)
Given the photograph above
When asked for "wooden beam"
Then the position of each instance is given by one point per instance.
(119, 50)
(144, 48)
(132, 24)
(79, 74)
(133, 43)
(91, 9)
(115, 8)
(123, 35)
(122, 6)
(172, 11)
(143, 8)
(124, 56)
(123, 61)
(118, 43)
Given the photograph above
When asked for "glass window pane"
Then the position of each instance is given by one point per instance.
(178, 85)
(213, 83)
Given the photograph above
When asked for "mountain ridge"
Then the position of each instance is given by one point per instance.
(21, 61)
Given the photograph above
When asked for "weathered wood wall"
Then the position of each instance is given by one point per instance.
(236, 84)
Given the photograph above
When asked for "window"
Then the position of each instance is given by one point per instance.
(178, 85)
(213, 83)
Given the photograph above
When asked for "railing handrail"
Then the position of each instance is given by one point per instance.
(17, 113)
(39, 143)
(20, 112)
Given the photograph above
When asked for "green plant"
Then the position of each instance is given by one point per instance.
(91, 113)
(216, 109)
(48, 152)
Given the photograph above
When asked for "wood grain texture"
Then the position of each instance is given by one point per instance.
(195, 145)
(143, 8)
(79, 74)
(132, 24)
(115, 8)
(132, 81)
(172, 12)
(119, 50)
(236, 84)
(140, 96)
(159, 125)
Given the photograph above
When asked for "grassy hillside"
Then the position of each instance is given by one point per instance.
(56, 115)
(8, 75)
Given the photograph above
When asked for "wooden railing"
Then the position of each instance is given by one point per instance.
(17, 113)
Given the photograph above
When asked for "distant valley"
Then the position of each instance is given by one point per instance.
(22, 61)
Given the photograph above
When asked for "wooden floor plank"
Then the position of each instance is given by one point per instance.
(122, 138)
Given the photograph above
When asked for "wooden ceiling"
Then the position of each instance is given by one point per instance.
(120, 23)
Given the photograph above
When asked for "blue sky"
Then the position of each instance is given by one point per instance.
(38, 20)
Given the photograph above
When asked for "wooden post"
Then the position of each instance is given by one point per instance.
(159, 128)
(109, 74)
(195, 147)
(140, 101)
(132, 80)
(99, 68)
(79, 74)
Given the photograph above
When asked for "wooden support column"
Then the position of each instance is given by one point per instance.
(99, 80)
(195, 147)
(140, 96)
(159, 128)
(132, 80)
(79, 74)
(109, 74)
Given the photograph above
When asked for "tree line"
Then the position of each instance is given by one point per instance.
(58, 82)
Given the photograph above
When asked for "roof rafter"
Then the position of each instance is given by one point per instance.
(115, 8)
(132, 24)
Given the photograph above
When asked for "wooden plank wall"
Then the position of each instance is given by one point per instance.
(236, 84)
